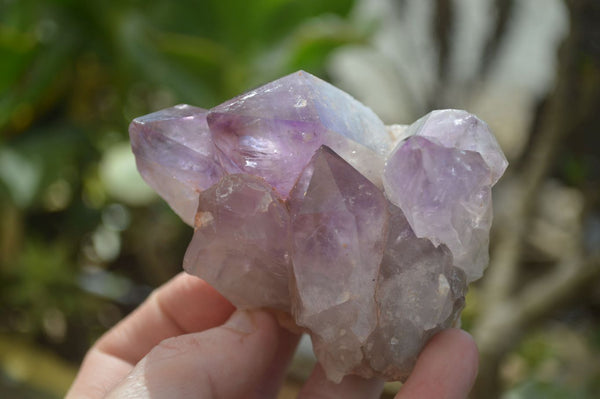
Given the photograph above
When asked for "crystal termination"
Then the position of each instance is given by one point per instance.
(304, 202)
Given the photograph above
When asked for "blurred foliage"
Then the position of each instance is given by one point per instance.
(82, 239)
(555, 362)
(107, 60)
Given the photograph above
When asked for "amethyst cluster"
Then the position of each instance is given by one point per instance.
(304, 202)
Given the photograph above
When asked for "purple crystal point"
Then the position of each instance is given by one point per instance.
(418, 293)
(274, 130)
(339, 221)
(459, 129)
(175, 155)
(445, 194)
(241, 243)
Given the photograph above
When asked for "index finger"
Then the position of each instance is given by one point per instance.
(183, 305)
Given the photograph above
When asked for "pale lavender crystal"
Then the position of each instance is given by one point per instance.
(456, 128)
(273, 131)
(339, 221)
(241, 243)
(300, 204)
(418, 294)
(445, 194)
(175, 155)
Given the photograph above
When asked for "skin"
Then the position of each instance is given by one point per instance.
(187, 341)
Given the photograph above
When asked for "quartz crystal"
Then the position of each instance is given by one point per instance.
(339, 221)
(243, 227)
(455, 128)
(302, 201)
(446, 198)
(175, 154)
(274, 130)
(419, 292)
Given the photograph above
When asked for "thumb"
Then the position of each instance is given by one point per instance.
(224, 362)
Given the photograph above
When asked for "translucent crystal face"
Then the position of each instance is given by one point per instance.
(175, 154)
(304, 202)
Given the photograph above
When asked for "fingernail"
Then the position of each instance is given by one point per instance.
(241, 321)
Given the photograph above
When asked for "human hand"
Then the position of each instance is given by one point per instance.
(186, 341)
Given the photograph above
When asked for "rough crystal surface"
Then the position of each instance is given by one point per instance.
(419, 292)
(456, 128)
(339, 221)
(274, 130)
(446, 198)
(366, 236)
(242, 236)
(175, 154)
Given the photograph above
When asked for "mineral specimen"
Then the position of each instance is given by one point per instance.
(304, 202)
(244, 228)
(339, 223)
(175, 155)
(445, 198)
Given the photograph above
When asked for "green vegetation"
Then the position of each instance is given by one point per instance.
(82, 239)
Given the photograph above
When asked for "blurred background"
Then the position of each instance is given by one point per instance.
(83, 240)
